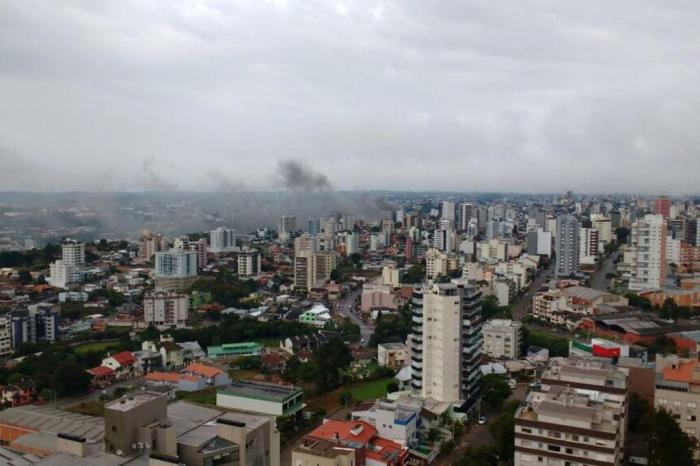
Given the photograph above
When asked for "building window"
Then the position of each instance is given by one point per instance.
(692, 404)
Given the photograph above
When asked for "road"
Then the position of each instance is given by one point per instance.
(345, 307)
(64, 403)
(479, 434)
(524, 301)
(599, 282)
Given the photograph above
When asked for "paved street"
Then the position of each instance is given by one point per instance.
(524, 302)
(599, 282)
(345, 306)
(479, 434)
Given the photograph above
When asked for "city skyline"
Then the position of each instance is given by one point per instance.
(370, 95)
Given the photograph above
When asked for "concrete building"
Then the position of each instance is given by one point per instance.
(165, 310)
(662, 206)
(319, 452)
(604, 226)
(438, 263)
(67, 270)
(234, 350)
(391, 275)
(73, 253)
(502, 338)
(393, 420)
(466, 212)
(5, 335)
(260, 397)
(588, 246)
(539, 242)
(200, 247)
(313, 269)
(392, 355)
(286, 225)
(318, 316)
(306, 243)
(445, 342)
(248, 264)
(567, 246)
(678, 391)
(175, 264)
(648, 242)
(222, 240)
(577, 415)
(447, 212)
(151, 243)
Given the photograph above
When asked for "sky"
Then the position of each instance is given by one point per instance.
(515, 96)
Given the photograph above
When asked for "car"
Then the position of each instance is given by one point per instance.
(362, 340)
(512, 383)
(482, 420)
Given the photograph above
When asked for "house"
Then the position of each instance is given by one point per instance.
(370, 448)
(317, 316)
(211, 375)
(274, 362)
(392, 355)
(18, 394)
(147, 361)
(179, 382)
(191, 351)
(101, 375)
(123, 364)
(172, 354)
(310, 342)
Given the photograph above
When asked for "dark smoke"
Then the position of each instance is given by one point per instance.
(296, 176)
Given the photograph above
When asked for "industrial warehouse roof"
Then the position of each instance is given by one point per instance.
(583, 292)
(260, 390)
(47, 419)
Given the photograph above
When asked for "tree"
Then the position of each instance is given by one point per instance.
(668, 444)
(345, 398)
(434, 434)
(15, 378)
(479, 456)
(494, 390)
(415, 274)
(330, 359)
(490, 309)
(24, 276)
(637, 301)
(71, 379)
(503, 430)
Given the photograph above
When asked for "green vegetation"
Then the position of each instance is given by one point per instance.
(492, 310)
(637, 301)
(206, 396)
(415, 274)
(668, 444)
(34, 259)
(96, 346)
(391, 327)
(494, 390)
(503, 429)
(370, 390)
(557, 346)
(89, 408)
(227, 290)
(324, 369)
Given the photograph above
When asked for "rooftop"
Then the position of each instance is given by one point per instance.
(133, 400)
(47, 419)
(261, 390)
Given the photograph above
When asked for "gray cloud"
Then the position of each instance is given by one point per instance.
(457, 95)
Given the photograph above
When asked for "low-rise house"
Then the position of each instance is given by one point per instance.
(18, 394)
(123, 364)
(392, 355)
(310, 342)
(101, 375)
(233, 350)
(261, 397)
(393, 420)
(211, 375)
(317, 316)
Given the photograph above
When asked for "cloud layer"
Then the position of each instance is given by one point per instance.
(531, 96)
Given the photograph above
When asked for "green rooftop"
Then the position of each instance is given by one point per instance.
(235, 349)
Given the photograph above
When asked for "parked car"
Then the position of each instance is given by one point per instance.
(482, 420)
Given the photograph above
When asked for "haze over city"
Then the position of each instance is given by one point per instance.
(528, 96)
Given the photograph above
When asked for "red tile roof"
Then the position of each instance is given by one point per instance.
(684, 373)
(125, 358)
(352, 431)
(100, 371)
(204, 370)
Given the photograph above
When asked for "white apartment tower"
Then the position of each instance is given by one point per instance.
(248, 264)
(176, 264)
(222, 240)
(588, 245)
(163, 309)
(73, 253)
(466, 211)
(648, 242)
(445, 342)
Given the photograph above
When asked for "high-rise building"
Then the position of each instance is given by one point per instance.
(566, 246)
(677, 390)
(164, 309)
(176, 264)
(222, 240)
(313, 225)
(662, 206)
(648, 241)
(438, 263)
(446, 342)
(73, 253)
(286, 225)
(466, 211)
(306, 242)
(37, 323)
(447, 211)
(312, 268)
(576, 415)
(539, 242)
(151, 243)
(352, 243)
(199, 247)
(248, 264)
(588, 240)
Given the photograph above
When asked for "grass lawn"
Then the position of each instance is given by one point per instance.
(370, 390)
(362, 391)
(99, 346)
(206, 396)
(89, 408)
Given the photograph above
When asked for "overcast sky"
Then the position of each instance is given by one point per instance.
(530, 96)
